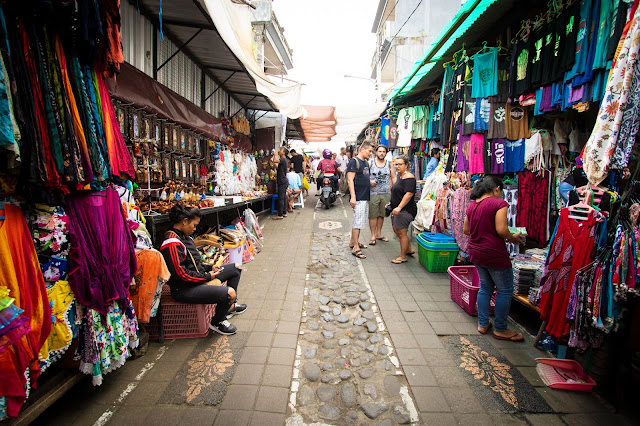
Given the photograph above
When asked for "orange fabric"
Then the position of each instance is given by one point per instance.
(20, 272)
(151, 268)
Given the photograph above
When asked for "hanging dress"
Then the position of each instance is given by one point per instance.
(571, 250)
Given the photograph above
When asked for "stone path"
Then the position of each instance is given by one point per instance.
(346, 369)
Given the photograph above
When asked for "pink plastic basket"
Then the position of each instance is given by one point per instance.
(564, 374)
(182, 320)
(464, 284)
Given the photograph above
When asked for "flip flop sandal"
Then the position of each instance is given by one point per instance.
(515, 337)
(358, 254)
(398, 261)
(362, 246)
(385, 239)
(277, 217)
(487, 328)
(372, 242)
(411, 253)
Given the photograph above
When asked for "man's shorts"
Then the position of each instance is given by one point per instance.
(376, 205)
(361, 215)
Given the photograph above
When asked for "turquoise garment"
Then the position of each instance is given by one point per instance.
(582, 43)
(603, 34)
(485, 74)
(6, 128)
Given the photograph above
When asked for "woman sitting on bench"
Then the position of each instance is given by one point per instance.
(194, 282)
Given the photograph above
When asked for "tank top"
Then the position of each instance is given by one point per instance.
(382, 176)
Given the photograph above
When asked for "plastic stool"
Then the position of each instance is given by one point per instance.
(299, 202)
(273, 204)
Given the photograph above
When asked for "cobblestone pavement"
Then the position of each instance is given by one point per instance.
(328, 339)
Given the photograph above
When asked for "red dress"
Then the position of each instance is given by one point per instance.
(571, 250)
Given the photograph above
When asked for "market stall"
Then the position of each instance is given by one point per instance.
(545, 99)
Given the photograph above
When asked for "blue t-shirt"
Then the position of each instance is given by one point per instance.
(431, 166)
(294, 180)
(513, 156)
(384, 131)
(485, 74)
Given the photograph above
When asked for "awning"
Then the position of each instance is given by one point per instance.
(188, 25)
(475, 19)
(138, 89)
(319, 125)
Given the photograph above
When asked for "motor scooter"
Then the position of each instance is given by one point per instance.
(328, 195)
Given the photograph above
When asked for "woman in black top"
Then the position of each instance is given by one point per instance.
(193, 281)
(404, 206)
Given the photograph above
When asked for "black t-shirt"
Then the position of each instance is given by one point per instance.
(577, 178)
(283, 167)
(571, 27)
(399, 189)
(535, 56)
(297, 161)
(361, 182)
(619, 20)
(523, 58)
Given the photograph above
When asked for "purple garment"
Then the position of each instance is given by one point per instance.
(462, 164)
(576, 94)
(547, 99)
(459, 203)
(497, 159)
(102, 259)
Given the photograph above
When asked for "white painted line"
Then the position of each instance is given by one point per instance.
(104, 418)
(408, 402)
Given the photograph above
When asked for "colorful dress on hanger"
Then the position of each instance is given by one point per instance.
(20, 273)
(460, 203)
(571, 250)
(60, 301)
(151, 275)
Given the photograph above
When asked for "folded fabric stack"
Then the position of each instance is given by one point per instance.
(527, 272)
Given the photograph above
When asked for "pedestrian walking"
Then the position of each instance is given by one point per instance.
(282, 182)
(343, 161)
(486, 224)
(403, 205)
(360, 192)
(381, 173)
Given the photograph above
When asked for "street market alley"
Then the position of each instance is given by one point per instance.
(328, 338)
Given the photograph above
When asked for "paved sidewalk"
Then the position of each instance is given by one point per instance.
(452, 374)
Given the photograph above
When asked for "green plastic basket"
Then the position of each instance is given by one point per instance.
(436, 260)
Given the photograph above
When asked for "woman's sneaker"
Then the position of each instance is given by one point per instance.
(223, 327)
(239, 308)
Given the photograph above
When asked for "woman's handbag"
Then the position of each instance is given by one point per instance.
(387, 210)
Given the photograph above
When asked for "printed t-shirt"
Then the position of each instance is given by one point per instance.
(384, 131)
(497, 127)
(516, 122)
(463, 154)
(487, 155)
(582, 41)
(483, 111)
(514, 156)
(571, 23)
(535, 62)
(602, 34)
(522, 74)
(405, 127)
(485, 74)
(468, 112)
(393, 133)
(476, 151)
(420, 119)
(486, 247)
(361, 183)
(497, 159)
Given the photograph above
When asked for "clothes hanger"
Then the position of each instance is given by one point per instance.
(581, 210)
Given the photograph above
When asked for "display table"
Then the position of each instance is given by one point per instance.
(263, 204)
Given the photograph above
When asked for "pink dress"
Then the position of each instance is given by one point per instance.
(476, 159)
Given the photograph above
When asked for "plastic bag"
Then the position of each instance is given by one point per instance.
(305, 183)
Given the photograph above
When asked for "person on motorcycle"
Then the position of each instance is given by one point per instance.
(329, 168)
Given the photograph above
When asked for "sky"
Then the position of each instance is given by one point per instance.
(330, 38)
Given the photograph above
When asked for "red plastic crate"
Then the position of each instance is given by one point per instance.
(464, 284)
(182, 320)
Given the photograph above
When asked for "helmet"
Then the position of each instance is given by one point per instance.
(327, 154)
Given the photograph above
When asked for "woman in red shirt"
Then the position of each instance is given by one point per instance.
(486, 224)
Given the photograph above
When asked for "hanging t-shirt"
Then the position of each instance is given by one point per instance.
(514, 156)
(463, 154)
(482, 113)
(582, 41)
(485, 74)
(603, 34)
(516, 122)
(549, 52)
(552, 71)
(476, 152)
(434, 121)
(405, 127)
(384, 131)
(497, 128)
(487, 155)
(468, 112)
(592, 29)
(522, 74)
(503, 81)
(418, 122)
(497, 159)
(571, 24)
(535, 60)
(618, 21)
(393, 134)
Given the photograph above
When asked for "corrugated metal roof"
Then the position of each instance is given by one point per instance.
(482, 15)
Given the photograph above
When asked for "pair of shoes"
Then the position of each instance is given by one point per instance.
(224, 327)
(239, 309)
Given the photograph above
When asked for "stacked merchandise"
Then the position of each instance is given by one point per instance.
(527, 272)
